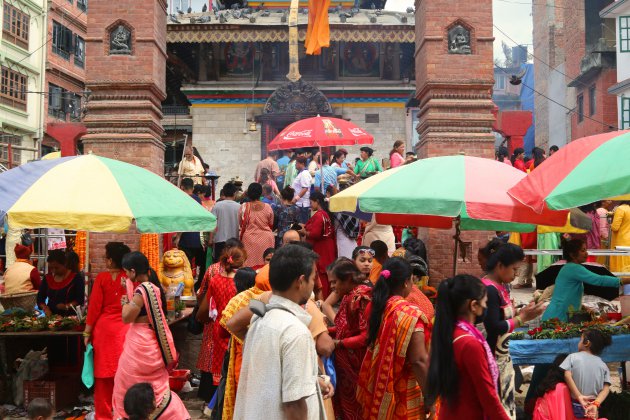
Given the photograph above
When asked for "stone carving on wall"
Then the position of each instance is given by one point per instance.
(120, 40)
(297, 98)
(459, 40)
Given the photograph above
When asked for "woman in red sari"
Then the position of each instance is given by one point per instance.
(220, 290)
(349, 333)
(319, 231)
(104, 327)
(204, 359)
(149, 351)
(396, 362)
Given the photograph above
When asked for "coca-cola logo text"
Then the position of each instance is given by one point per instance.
(357, 132)
(292, 135)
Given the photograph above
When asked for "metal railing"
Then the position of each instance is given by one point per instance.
(175, 110)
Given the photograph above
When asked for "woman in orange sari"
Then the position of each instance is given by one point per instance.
(396, 362)
(349, 333)
(149, 351)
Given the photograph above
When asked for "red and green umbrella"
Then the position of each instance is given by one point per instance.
(584, 171)
(435, 192)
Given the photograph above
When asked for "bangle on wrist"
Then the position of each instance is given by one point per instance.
(87, 333)
(596, 403)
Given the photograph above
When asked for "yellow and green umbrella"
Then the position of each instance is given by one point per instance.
(97, 194)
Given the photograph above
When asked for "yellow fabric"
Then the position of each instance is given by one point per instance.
(567, 228)
(515, 238)
(620, 227)
(235, 304)
(17, 278)
(39, 207)
(52, 155)
(318, 29)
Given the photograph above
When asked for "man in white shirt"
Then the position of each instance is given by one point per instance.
(302, 186)
(279, 367)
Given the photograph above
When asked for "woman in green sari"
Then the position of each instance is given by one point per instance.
(367, 165)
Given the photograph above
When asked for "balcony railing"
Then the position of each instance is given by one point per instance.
(175, 110)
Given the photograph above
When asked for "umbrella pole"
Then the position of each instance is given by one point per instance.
(321, 171)
(86, 264)
(456, 250)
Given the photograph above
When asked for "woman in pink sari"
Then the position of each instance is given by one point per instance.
(149, 351)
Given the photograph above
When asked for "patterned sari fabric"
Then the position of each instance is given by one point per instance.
(148, 354)
(235, 304)
(205, 351)
(502, 354)
(387, 388)
(351, 325)
(221, 289)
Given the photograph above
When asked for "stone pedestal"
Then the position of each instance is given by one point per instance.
(454, 79)
(126, 68)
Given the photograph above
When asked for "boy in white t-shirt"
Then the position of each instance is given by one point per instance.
(302, 186)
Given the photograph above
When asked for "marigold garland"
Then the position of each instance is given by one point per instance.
(80, 244)
(150, 247)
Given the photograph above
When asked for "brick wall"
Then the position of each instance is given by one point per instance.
(455, 95)
(124, 116)
(605, 107)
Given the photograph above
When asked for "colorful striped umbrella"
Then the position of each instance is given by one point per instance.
(435, 192)
(582, 172)
(97, 194)
(320, 132)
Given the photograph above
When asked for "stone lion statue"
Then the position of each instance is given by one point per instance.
(174, 269)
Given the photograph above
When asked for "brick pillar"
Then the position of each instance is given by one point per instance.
(126, 70)
(454, 79)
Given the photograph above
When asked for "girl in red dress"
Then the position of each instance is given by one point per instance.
(319, 231)
(220, 290)
(205, 352)
(349, 333)
(463, 372)
(104, 327)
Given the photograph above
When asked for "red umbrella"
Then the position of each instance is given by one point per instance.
(320, 132)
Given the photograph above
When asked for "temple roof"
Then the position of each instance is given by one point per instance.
(270, 25)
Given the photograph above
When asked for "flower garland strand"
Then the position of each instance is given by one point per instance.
(150, 247)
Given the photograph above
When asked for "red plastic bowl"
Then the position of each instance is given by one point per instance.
(178, 378)
(614, 316)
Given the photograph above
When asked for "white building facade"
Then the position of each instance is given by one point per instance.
(22, 74)
(620, 12)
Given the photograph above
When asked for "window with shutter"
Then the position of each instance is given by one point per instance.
(79, 51)
(13, 88)
(15, 26)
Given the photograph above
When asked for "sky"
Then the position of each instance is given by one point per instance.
(512, 16)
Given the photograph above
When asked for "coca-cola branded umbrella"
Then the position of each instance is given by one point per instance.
(320, 132)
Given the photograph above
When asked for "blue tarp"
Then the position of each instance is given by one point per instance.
(527, 104)
(533, 352)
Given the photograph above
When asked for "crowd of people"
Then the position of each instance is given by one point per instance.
(309, 314)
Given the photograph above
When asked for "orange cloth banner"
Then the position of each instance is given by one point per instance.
(318, 30)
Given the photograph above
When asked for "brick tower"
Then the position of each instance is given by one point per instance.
(454, 79)
(126, 68)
